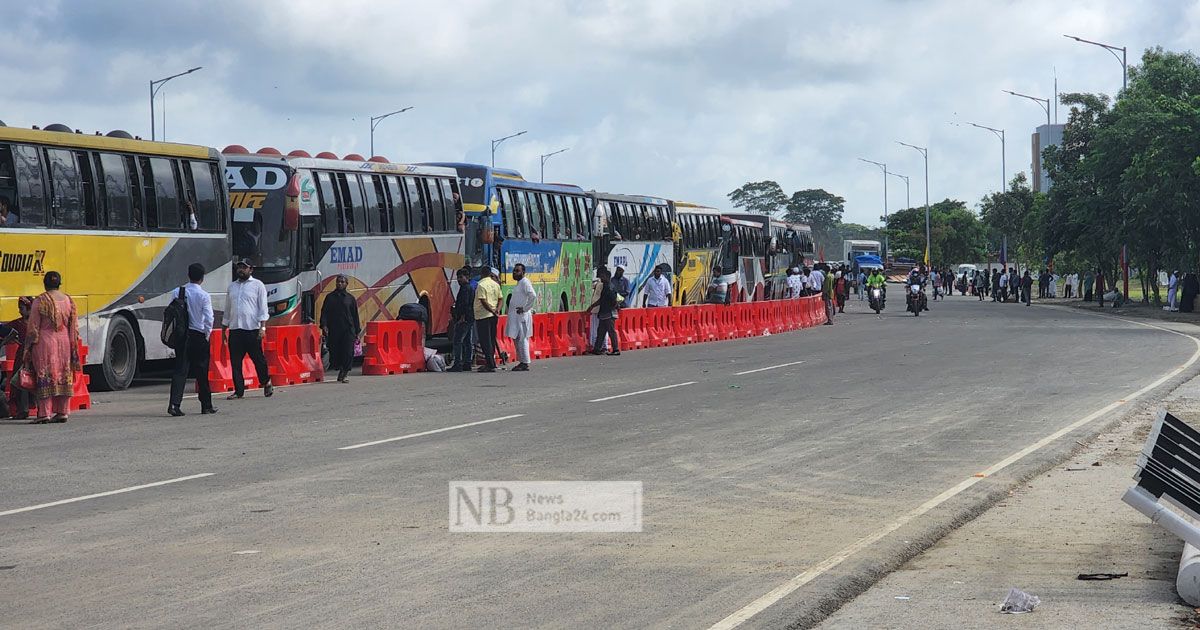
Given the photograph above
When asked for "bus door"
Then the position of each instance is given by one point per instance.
(602, 236)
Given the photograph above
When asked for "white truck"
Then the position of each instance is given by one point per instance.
(854, 248)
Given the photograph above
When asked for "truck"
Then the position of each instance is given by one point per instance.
(854, 248)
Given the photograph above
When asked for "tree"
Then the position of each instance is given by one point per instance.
(765, 197)
(822, 211)
(956, 233)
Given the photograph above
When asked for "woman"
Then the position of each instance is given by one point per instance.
(520, 316)
(840, 290)
(19, 400)
(53, 350)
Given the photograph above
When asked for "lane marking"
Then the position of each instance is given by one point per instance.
(644, 391)
(748, 611)
(773, 367)
(104, 494)
(424, 433)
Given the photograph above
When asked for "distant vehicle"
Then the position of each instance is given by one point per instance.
(852, 249)
(786, 245)
(967, 269)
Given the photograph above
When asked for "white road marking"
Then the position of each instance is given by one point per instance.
(424, 433)
(787, 588)
(644, 391)
(104, 494)
(773, 367)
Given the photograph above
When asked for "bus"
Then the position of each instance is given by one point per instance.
(635, 233)
(392, 229)
(740, 260)
(121, 219)
(696, 252)
(785, 245)
(546, 227)
(804, 247)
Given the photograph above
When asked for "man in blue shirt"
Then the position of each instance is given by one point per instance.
(193, 356)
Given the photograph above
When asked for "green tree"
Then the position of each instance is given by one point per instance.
(956, 234)
(822, 211)
(765, 197)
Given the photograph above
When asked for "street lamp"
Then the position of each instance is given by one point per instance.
(1111, 49)
(1003, 165)
(1043, 102)
(496, 143)
(924, 153)
(546, 156)
(155, 86)
(907, 196)
(375, 120)
(1124, 84)
(885, 207)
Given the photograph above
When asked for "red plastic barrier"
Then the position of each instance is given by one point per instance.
(295, 356)
(393, 347)
(684, 325)
(728, 320)
(80, 397)
(710, 328)
(540, 344)
(505, 343)
(632, 329)
(220, 368)
(554, 332)
(658, 327)
(576, 333)
(817, 310)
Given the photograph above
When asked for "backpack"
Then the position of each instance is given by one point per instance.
(175, 321)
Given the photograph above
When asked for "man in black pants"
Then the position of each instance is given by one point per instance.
(193, 356)
(605, 308)
(487, 314)
(245, 321)
(340, 326)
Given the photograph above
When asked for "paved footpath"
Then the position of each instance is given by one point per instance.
(783, 475)
(1067, 521)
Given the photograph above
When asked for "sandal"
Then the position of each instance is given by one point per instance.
(60, 418)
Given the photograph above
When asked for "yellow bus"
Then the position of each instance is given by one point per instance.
(700, 238)
(121, 219)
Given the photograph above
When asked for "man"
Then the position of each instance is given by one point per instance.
(621, 286)
(658, 289)
(604, 307)
(827, 290)
(193, 356)
(1088, 282)
(862, 285)
(839, 291)
(935, 279)
(1026, 287)
(795, 283)
(878, 280)
(245, 325)
(487, 314)
(519, 326)
(7, 218)
(1100, 287)
(816, 280)
(340, 326)
(1173, 291)
(1014, 284)
(987, 285)
(463, 316)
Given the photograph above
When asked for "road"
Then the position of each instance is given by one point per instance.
(762, 471)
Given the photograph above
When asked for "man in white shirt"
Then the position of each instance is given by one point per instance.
(193, 356)
(245, 321)
(658, 289)
(795, 283)
(816, 280)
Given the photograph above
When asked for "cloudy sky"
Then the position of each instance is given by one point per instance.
(674, 98)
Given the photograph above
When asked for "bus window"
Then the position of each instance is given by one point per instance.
(528, 215)
(508, 215)
(31, 188)
(451, 203)
(437, 209)
(64, 189)
(208, 211)
(520, 212)
(568, 217)
(550, 229)
(87, 181)
(581, 227)
(376, 207)
(116, 190)
(330, 202)
(167, 195)
(419, 205)
(400, 216)
(149, 198)
(354, 213)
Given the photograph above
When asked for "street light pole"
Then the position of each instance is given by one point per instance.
(885, 205)
(496, 143)
(375, 120)
(925, 154)
(546, 156)
(155, 86)
(907, 195)
(1124, 59)
(1003, 166)
(1043, 102)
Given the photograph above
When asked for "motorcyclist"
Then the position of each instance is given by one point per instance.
(877, 281)
(917, 278)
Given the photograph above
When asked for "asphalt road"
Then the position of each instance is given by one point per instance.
(750, 479)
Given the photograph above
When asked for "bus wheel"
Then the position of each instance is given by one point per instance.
(119, 364)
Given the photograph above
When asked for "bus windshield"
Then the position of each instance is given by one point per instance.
(257, 199)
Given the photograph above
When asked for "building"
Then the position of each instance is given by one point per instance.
(1045, 136)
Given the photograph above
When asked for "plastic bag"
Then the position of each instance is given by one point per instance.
(1019, 601)
(434, 361)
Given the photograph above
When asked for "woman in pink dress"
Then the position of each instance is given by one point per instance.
(53, 342)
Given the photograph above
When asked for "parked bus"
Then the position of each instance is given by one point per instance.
(121, 219)
(741, 260)
(803, 247)
(785, 245)
(546, 227)
(696, 252)
(634, 233)
(392, 229)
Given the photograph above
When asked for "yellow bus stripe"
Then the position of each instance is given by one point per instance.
(81, 141)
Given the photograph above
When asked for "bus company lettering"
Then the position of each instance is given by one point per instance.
(247, 199)
(345, 255)
(264, 177)
(620, 261)
(532, 261)
(33, 262)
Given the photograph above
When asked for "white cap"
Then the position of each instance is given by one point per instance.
(494, 271)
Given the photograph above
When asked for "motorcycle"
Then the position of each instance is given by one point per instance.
(915, 299)
(876, 299)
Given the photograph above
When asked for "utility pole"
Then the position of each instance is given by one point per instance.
(925, 154)
(885, 205)
(546, 156)
(496, 143)
(375, 120)
(155, 86)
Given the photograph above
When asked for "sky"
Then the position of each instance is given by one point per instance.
(672, 98)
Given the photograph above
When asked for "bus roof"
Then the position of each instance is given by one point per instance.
(735, 220)
(656, 201)
(687, 207)
(345, 165)
(510, 177)
(105, 143)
